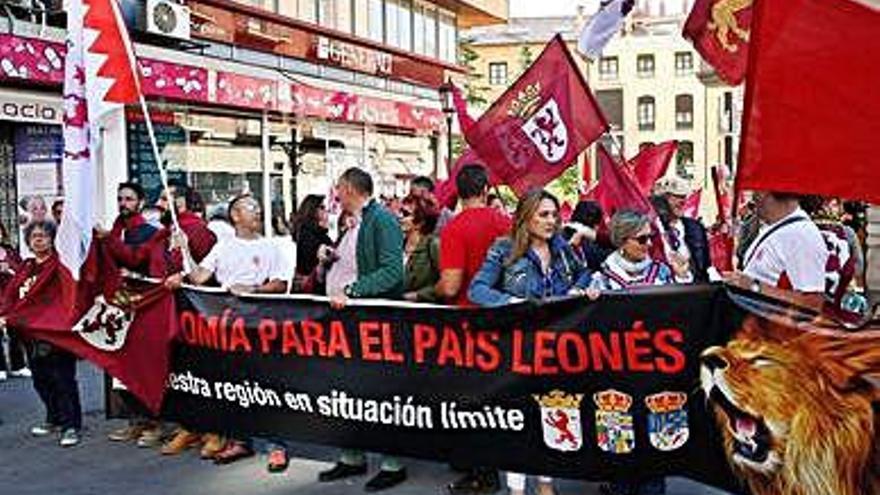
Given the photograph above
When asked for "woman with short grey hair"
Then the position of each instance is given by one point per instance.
(631, 265)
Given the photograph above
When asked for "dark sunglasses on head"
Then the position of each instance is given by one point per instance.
(642, 239)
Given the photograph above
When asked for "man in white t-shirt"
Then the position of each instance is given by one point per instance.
(245, 263)
(789, 251)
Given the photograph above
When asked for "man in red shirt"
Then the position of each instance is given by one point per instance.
(466, 238)
(464, 242)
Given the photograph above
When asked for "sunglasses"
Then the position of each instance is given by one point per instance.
(405, 213)
(642, 239)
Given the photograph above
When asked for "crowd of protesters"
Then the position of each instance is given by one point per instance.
(415, 249)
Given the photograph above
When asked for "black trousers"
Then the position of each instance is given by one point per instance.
(17, 359)
(54, 375)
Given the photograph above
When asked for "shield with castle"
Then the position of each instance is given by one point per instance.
(614, 423)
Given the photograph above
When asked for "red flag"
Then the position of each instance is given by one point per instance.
(62, 307)
(719, 30)
(127, 332)
(617, 188)
(465, 121)
(651, 164)
(540, 125)
(446, 192)
(691, 207)
(812, 114)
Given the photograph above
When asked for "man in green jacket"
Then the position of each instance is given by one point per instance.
(375, 242)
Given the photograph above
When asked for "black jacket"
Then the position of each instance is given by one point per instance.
(697, 241)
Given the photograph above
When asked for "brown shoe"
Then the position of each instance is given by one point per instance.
(126, 434)
(181, 441)
(213, 444)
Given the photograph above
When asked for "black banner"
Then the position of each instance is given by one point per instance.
(572, 388)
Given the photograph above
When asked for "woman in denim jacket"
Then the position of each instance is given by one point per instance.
(535, 262)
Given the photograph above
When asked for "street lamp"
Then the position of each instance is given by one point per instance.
(448, 106)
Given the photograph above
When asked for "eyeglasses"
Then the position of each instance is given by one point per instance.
(642, 239)
(404, 213)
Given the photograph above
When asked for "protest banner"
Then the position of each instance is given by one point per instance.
(689, 381)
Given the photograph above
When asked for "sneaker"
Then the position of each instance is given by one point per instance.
(44, 430)
(22, 373)
(150, 437)
(3, 376)
(126, 434)
(278, 461)
(69, 438)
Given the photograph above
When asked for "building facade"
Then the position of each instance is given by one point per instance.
(271, 97)
(650, 83)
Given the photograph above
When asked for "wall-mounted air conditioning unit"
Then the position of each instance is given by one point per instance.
(168, 18)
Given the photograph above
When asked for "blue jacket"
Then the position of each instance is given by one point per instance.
(496, 282)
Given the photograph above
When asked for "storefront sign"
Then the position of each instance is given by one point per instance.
(23, 106)
(186, 83)
(37, 143)
(352, 56)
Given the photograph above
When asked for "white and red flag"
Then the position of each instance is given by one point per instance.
(99, 76)
(78, 301)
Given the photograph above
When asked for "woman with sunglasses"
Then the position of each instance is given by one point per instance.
(631, 265)
(421, 247)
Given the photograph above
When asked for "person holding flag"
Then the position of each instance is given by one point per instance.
(684, 238)
(53, 368)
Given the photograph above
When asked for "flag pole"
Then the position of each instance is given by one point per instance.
(163, 176)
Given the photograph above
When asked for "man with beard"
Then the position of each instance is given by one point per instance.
(128, 243)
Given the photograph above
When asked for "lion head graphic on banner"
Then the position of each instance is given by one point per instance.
(796, 408)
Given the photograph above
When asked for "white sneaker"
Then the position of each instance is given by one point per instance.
(3, 376)
(43, 430)
(22, 373)
(69, 438)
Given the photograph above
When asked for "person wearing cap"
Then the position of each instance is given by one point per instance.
(685, 239)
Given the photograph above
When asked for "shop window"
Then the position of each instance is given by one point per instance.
(498, 73)
(646, 113)
(684, 112)
(645, 65)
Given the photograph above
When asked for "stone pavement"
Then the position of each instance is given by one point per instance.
(31, 466)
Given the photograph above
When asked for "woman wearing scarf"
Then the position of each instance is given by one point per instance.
(630, 265)
(535, 262)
